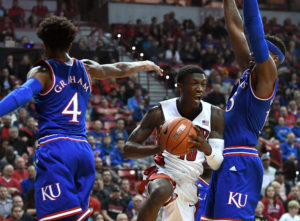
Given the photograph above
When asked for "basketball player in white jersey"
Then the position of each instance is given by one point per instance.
(171, 183)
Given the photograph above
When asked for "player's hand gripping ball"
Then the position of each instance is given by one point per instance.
(174, 135)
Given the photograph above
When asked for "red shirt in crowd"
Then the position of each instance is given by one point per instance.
(20, 174)
(11, 183)
(41, 12)
(273, 212)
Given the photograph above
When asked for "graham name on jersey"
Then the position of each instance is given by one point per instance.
(71, 80)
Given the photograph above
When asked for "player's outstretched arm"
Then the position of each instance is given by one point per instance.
(235, 28)
(38, 78)
(134, 147)
(266, 69)
(120, 69)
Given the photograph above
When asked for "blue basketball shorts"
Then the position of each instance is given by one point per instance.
(203, 188)
(235, 188)
(65, 176)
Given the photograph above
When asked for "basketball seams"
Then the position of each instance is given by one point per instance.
(182, 139)
(171, 130)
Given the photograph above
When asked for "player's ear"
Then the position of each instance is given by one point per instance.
(276, 60)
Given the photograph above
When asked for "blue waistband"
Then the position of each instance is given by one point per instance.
(240, 151)
(54, 137)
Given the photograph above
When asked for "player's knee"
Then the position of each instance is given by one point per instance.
(162, 193)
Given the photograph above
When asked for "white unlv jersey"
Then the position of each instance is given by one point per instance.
(185, 168)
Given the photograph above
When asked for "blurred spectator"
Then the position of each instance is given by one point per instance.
(107, 180)
(98, 131)
(7, 30)
(290, 154)
(98, 190)
(216, 97)
(28, 132)
(112, 98)
(22, 116)
(98, 152)
(281, 130)
(28, 183)
(293, 210)
(296, 129)
(285, 186)
(98, 217)
(6, 81)
(269, 171)
(113, 205)
(119, 131)
(94, 205)
(17, 214)
(24, 67)
(105, 112)
(259, 212)
(125, 191)
(5, 201)
(275, 110)
(140, 111)
(38, 13)
(273, 208)
(20, 172)
(116, 156)
(107, 147)
(16, 142)
(9, 157)
(2, 11)
(289, 119)
(268, 131)
(16, 14)
(6, 179)
(133, 102)
(4, 130)
(11, 65)
(285, 97)
(293, 195)
(137, 202)
(293, 108)
(17, 201)
(4, 144)
(122, 217)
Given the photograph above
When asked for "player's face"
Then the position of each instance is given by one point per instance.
(193, 88)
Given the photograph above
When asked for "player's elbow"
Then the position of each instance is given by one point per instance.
(126, 152)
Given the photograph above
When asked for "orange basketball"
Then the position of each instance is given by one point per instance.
(174, 135)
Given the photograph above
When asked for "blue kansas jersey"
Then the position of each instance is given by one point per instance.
(245, 119)
(61, 109)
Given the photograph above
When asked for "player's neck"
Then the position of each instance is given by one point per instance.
(188, 111)
(63, 56)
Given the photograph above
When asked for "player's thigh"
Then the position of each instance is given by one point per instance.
(237, 188)
(160, 190)
(56, 185)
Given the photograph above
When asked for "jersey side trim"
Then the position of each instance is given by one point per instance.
(262, 98)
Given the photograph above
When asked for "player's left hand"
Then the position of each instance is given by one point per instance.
(151, 66)
(199, 142)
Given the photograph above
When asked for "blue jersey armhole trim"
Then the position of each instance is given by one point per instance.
(260, 98)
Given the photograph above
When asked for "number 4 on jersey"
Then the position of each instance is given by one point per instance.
(74, 112)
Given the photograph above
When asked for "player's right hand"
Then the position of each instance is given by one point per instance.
(151, 66)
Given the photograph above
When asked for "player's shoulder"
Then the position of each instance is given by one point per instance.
(40, 68)
(217, 114)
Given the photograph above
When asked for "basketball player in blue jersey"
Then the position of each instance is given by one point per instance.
(61, 87)
(172, 182)
(235, 187)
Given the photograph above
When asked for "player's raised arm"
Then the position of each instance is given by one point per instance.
(235, 28)
(38, 79)
(266, 69)
(120, 69)
(134, 147)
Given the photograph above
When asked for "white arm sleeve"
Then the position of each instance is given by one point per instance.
(216, 158)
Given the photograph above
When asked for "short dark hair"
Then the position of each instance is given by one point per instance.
(277, 42)
(57, 33)
(187, 70)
